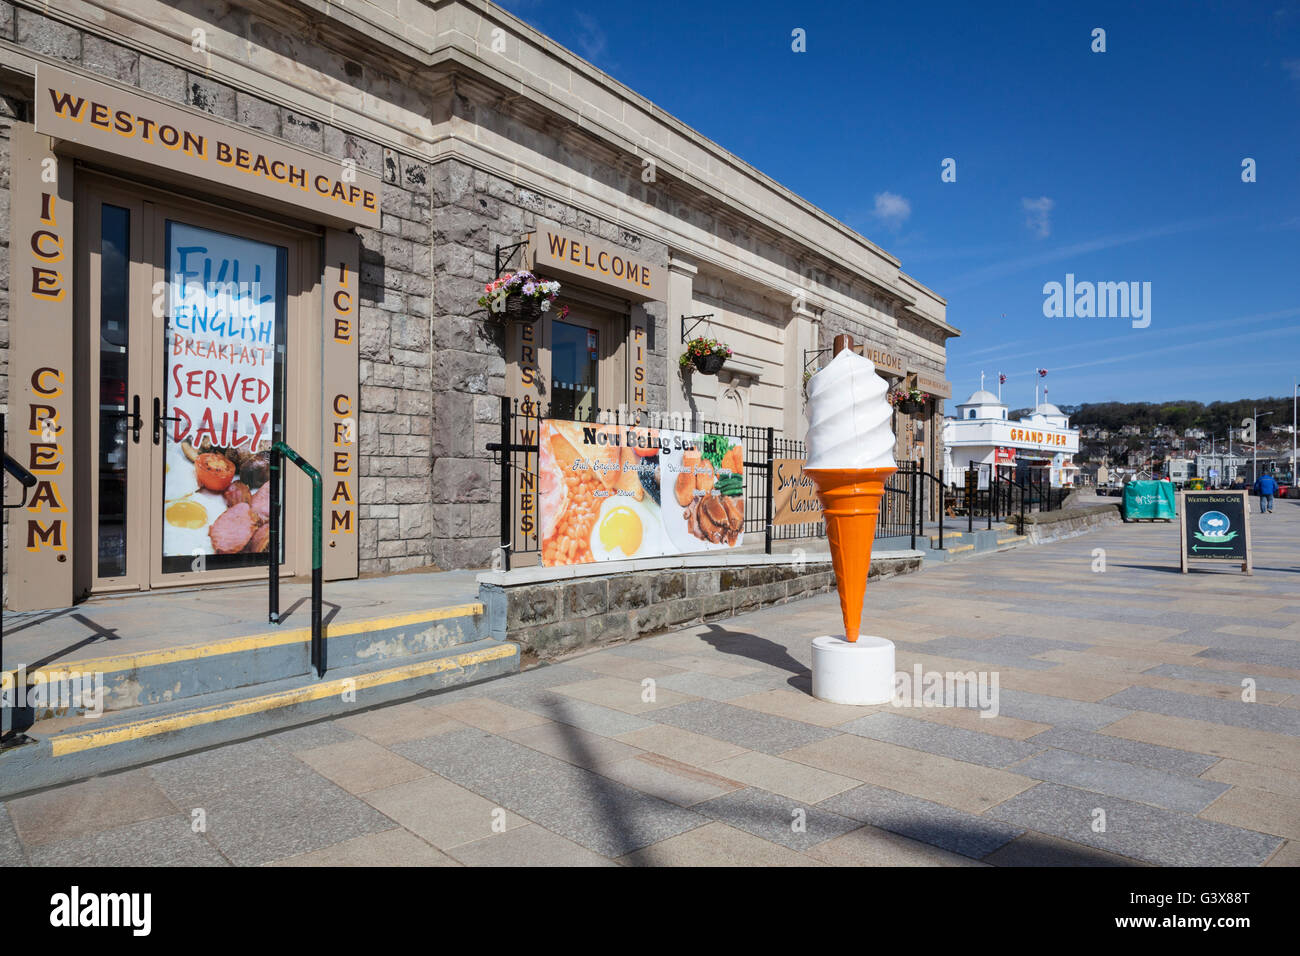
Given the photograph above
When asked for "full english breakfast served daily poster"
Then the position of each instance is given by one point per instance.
(222, 339)
(613, 492)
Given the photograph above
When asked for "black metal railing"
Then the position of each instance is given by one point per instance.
(273, 549)
(994, 494)
(515, 454)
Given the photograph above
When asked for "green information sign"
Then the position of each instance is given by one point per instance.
(1149, 500)
(1215, 527)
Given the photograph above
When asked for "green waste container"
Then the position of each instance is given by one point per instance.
(1149, 500)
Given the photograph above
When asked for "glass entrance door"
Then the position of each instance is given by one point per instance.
(575, 361)
(184, 333)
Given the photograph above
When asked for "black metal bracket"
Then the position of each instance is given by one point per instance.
(813, 353)
(509, 253)
(695, 321)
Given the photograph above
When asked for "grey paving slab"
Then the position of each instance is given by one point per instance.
(709, 686)
(579, 713)
(11, 849)
(164, 841)
(287, 817)
(645, 651)
(931, 823)
(320, 734)
(1126, 751)
(1009, 651)
(1058, 711)
(579, 805)
(1111, 777)
(1269, 651)
(474, 758)
(198, 779)
(968, 745)
(745, 728)
(777, 819)
(1133, 829)
(1278, 685)
(1256, 716)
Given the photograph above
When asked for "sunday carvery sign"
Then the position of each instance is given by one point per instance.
(80, 110)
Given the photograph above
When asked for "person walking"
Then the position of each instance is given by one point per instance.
(1266, 488)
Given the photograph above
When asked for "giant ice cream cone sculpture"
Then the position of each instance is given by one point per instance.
(850, 457)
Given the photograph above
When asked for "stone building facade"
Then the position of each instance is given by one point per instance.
(480, 133)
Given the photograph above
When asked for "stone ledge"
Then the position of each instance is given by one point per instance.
(1055, 525)
(539, 575)
(551, 612)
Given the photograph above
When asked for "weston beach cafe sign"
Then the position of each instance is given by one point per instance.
(95, 115)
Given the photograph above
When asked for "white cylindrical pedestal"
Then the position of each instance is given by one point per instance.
(858, 673)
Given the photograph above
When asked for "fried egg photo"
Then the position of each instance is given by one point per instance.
(626, 528)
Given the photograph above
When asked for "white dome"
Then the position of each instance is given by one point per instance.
(982, 397)
(1047, 408)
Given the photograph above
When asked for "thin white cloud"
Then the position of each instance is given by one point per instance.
(1000, 270)
(1292, 68)
(1038, 215)
(892, 209)
(591, 41)
(1005, 351)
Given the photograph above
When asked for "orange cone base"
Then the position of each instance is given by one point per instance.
(850, 500)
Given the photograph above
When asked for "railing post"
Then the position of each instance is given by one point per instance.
(971, 491)
(767, 492)
(273, 541)
(941, 511)
(912, 503)
(507, 537)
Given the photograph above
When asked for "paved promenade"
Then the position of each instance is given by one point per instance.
(1121, 738)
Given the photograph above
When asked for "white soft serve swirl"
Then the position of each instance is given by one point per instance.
(849, 416)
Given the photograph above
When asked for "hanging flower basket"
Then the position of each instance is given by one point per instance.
(707, 356)
(519, 297)
(520, 309)
(909, 401)
(709, 364)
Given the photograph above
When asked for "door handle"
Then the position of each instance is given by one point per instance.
(134, 415)
(158, 419)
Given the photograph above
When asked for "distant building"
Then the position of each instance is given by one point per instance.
(1221, 469)
(981, 434)
(1197, 433)
(1130, 431)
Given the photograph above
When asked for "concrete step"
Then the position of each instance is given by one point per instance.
(71, 747)
(177, 670)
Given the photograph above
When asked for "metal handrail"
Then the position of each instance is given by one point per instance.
(921, 472)
(28, 481)
(273, 548)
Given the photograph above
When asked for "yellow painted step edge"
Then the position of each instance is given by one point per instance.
(234, 645)
(964, 547)
(77, 742)
(1022, 537)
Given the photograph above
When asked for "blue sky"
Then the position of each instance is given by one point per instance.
(1122, 166)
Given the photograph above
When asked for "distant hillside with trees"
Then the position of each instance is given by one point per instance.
(1215, 418)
